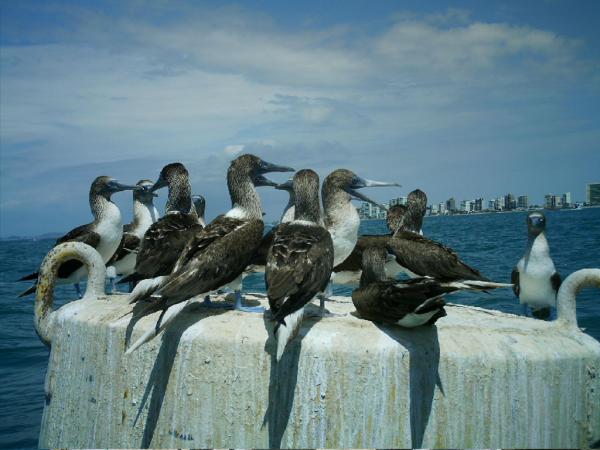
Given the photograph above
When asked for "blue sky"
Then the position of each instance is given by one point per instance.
(460, 98)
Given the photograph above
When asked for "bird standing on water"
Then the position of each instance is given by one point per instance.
(535, 279)
(300, 260)
(104, 233)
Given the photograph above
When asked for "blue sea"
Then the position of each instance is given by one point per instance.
(492, 243)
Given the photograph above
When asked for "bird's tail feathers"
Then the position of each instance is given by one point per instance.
(29, 290)
(431, 304)
(146, 288)
(165, 319)
(31, 276)
(477, 285)
(289, 330)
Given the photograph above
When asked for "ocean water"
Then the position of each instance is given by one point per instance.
(491, 242)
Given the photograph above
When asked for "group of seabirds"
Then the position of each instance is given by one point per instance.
(171, 260)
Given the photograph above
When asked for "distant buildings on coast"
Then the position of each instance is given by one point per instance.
(502, 203)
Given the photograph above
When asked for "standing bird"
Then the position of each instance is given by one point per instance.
(408, 303)
(341, 218)
(218, 254)
(122, 263)
(104, 233)
(166, 238)
(200, 207)
(535, 279)
(300, 260)
(416, 207)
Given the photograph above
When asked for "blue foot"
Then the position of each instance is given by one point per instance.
(207, 303)
(252, 309)
(131, 286)
(113, 286)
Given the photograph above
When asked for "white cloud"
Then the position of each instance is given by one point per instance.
(233, 150)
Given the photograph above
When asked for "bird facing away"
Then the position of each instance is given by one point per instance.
(218, 254)
(104, 233)
(300, 260)
(166, 238)
(200, 206)
(408, 303)
(535, 279)
(144, 214)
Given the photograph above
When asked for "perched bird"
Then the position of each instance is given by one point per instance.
(144, 214)
(341, 218)
(408, 303)
(200, 207)
(218, 254)
(300, 260)
(104, 233)
(166, 238)
(414, 212)
(535, 279)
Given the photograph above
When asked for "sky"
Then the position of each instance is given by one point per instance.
(458, 98)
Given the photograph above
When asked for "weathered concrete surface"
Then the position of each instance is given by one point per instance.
(478, 379)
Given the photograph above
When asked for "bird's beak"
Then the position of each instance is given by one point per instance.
(115, 186)
(287, 186)
(160, 183)
(259, 181)
(266, 167)
(358, 183)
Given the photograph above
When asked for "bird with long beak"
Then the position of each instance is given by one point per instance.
(300, 260)
(145, 214)
(535, 278)
(218, 254)
(104, 233)
(166, 238)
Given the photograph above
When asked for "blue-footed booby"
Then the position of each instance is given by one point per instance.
(408, 303)
(218, 254)
(200, 207)
(104, 233)
(145, 214)
(300, 260)
(535, 279)
(166, 238)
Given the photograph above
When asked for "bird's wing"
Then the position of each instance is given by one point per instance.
(353, 261)
(389, 301)
(130, 243)
(84, 234)
(163, 243)
(428, 258)
(213, 258)
(299, 266)
(514, 279)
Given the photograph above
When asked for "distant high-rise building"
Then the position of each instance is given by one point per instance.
(466, 205)
(398, 201)
(552, 201)
(491, 204)
(478, 206)
(523, 202)
(510, 202)
(442, 208)
(451, 204)
(593, 194)
(499, 204)
(566, 200)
